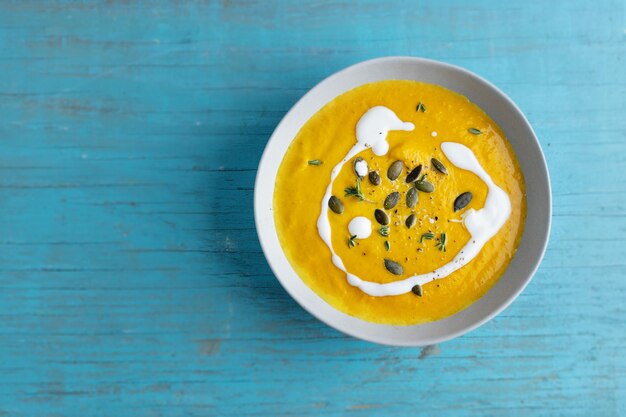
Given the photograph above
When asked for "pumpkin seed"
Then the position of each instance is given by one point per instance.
(474, 131)
(425, 186)
(394, 267)
(439, 166)
(391, 200)
(387, 247)
(410, 221)
(335, 204)
(381, 217)
(395, 170)
(462, 201)
(411, 197)
(374, 178)
(315, 162)
(417, 290)
(360, 165)
(414, 175)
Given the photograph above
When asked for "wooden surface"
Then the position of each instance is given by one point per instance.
(132, 282)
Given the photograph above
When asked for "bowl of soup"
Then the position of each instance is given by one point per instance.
(403, 201)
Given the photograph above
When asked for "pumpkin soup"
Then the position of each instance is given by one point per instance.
(400, 202)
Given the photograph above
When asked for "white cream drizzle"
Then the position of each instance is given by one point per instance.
(361, 168)
(482, 224)
(361, 227)
(371, 131)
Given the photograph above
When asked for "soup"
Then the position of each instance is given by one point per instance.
(400, 202)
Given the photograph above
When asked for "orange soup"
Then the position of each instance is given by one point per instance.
(400, 202)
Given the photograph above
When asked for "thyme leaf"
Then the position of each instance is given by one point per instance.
(442, 242)
(427, 236)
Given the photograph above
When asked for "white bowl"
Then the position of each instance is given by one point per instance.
(518, 131)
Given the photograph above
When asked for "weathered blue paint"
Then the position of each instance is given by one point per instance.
(132, 282)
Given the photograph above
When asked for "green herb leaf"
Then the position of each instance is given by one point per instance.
(384, 231)
(387, 247)
(474, 131)
(355, 191)
(427, 236)
(351, 242)
(442, 242)
(315, 162)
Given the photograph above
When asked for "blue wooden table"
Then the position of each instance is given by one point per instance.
(131, 279)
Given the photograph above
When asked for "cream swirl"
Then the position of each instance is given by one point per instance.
(482, 224)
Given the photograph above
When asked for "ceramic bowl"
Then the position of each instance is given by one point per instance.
(519, 133)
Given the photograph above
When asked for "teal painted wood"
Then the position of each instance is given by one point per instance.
(131, 278)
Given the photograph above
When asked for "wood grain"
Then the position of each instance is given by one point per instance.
(132, 282)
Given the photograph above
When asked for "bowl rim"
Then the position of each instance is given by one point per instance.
(306, 301)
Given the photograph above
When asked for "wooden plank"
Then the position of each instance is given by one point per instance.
(132, 282)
